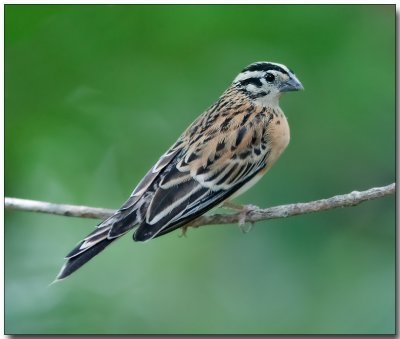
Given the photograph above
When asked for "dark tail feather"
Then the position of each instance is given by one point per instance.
(77, 261)
(106, 232)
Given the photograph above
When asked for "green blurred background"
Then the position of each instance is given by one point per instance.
(95, 94)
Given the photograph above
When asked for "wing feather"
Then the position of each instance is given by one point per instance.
(152, 174)
(132, 211)
(202, 176)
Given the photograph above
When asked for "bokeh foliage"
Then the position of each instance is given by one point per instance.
(94, 94)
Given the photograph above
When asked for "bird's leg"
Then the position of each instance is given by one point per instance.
(242, 208)
(231, 205)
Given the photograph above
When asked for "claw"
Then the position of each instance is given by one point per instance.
(246, 228)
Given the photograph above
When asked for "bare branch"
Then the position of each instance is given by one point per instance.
(254, 214)
(249, 214)
(58, 209)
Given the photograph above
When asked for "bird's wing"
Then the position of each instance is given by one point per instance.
(129, 215)
(206, 172)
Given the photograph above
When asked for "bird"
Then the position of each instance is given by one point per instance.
(224, 152)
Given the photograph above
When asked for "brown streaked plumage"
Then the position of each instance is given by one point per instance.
(221, 154)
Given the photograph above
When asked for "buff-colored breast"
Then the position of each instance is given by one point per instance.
(279, 136)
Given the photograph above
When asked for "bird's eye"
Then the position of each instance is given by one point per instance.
(270, 77)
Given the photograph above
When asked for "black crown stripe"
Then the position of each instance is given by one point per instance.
(264, 67)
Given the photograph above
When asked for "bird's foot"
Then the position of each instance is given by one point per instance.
(185, 228)
(246, 228)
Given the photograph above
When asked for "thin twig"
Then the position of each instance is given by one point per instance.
(250, 214)
(58, 209)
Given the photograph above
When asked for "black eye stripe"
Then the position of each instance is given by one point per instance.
(251, 81)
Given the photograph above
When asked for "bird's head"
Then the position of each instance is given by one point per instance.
(265, 82)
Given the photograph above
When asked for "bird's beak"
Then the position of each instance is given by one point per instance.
(293, 84)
